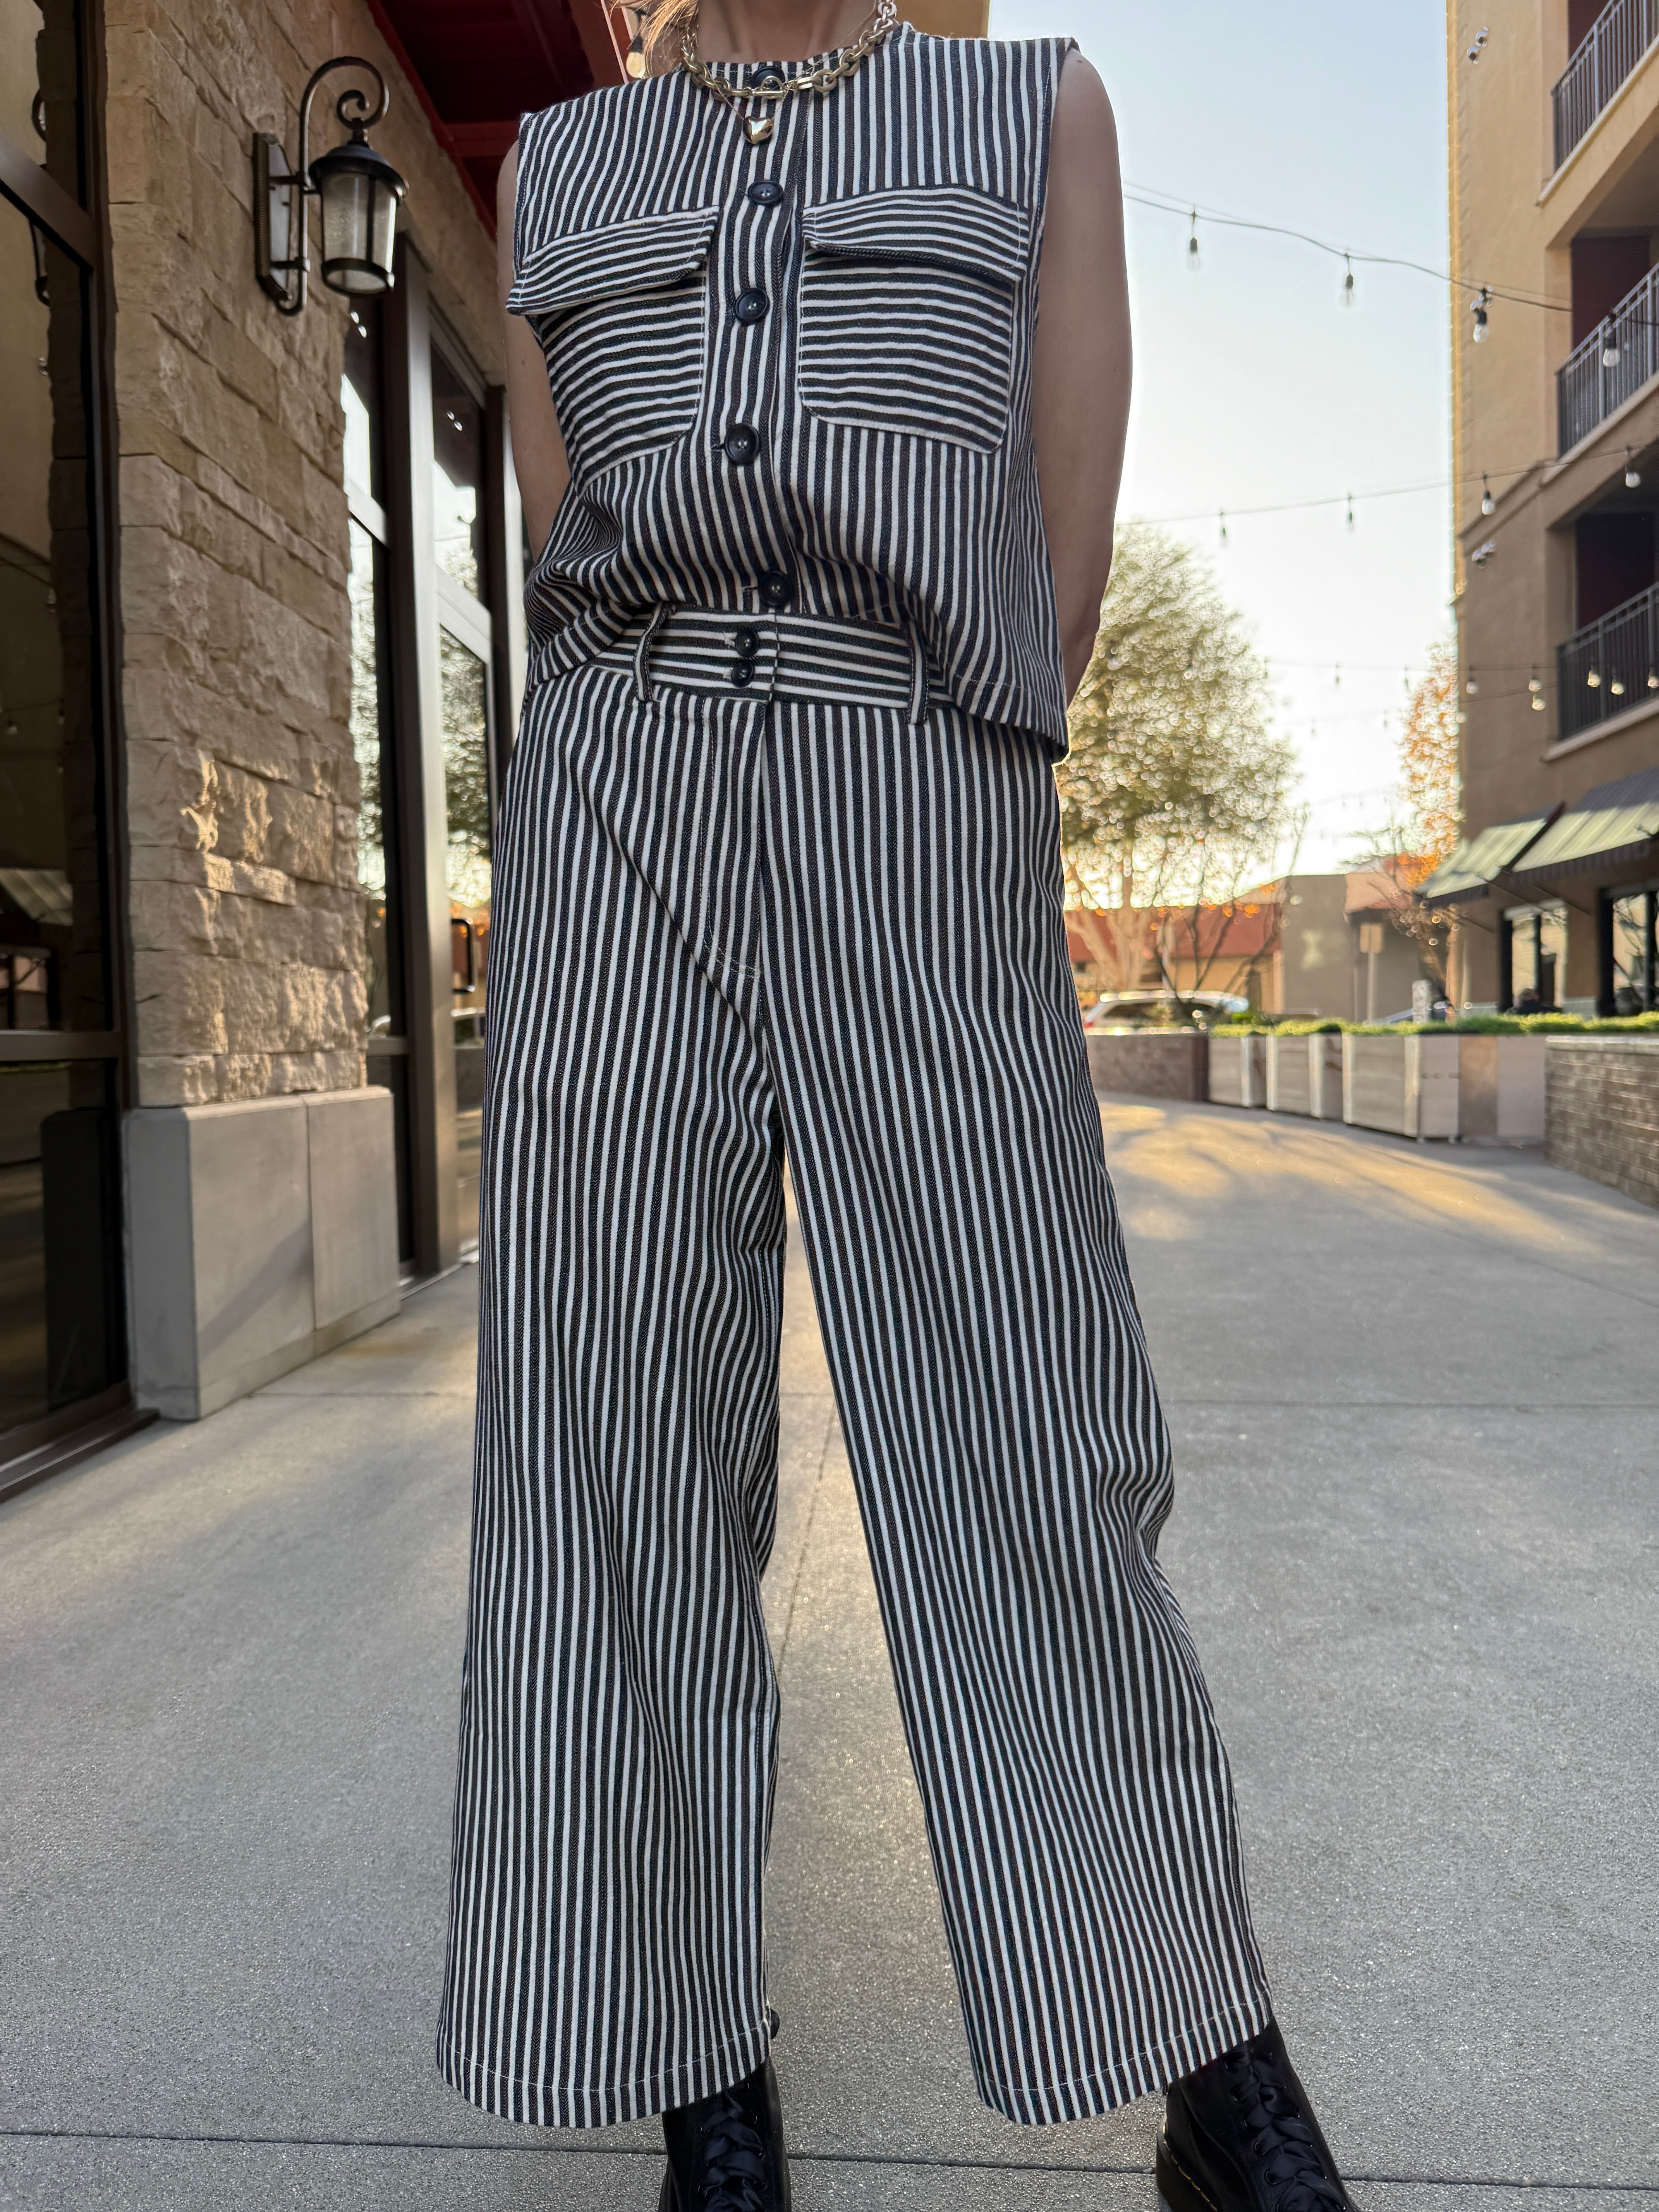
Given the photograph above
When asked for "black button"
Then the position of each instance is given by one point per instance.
(741, 444)
(775, 588)
(770, 82)
(750, 307)
(765, 191)
(742, 671)
(748, 641)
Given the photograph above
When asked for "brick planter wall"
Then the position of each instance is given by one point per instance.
(1601, 1111)
(1171, 1066)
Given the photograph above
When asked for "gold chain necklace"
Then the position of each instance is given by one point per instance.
(758, 128)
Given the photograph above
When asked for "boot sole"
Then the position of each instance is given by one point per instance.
(1175, 2192)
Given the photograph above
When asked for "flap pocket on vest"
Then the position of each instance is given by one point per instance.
(622, 314)
(908, 306)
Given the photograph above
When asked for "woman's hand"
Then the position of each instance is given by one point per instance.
(1082, 363)
(538, 454)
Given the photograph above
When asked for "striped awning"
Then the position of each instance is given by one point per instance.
(1610, 827)
(1468, 872)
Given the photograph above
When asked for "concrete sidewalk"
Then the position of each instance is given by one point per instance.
(1417, 1534)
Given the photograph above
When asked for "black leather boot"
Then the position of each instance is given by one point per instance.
(725, 2152)
(1240, 2135)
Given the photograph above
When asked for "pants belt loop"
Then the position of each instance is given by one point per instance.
(644, 690)
(919, 698)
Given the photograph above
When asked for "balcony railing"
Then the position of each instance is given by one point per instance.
(1612, 667)
(1613, 362)
(1620, 37)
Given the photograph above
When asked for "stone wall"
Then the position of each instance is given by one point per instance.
(1147, 1065)
(242, 787)
(1601, 1111)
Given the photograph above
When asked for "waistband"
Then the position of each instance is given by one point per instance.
(776, 656)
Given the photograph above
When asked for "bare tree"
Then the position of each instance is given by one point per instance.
(1175, 795)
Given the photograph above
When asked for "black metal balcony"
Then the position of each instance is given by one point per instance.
(1612, 364)
(1611, 667)
(1620, 37)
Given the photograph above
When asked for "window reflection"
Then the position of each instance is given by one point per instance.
(360, 399)
(1538, 958)
(1633, 953)
(369, 736)
(52, 963)
(466, 789)
(456, 478)
(39, 85)
(61, 1331)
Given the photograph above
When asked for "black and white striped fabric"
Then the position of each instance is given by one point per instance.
(734, 923)
(889, 264)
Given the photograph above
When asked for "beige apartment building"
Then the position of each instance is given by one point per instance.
(1554, 119)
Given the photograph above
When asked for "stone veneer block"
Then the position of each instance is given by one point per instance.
(260, 1235)
(1603, 1110)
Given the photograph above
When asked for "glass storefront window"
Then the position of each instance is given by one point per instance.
(466, 788)
(52, 932)
(40, 86)
(458, 448)
(381, 978)
(1538, 957)
(61, 1329)
(1633, 953)
(360, 399)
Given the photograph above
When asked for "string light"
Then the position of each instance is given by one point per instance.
(1610, 353)
(1348, 282)
(1352, 525)
(1472, 687)
(1482, 321)
(1653, 679)
(1632, 474)
(1593, 679)
(1535, 686)
(1488, 504)
(1194, 261)
(1223, 519)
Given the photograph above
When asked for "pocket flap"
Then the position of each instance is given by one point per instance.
(938, 226)
(650, 253)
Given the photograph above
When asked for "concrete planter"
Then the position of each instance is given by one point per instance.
(1304, 1076)
(1238, 1071)
(1501, 1088)
(260, 1234)
(1602, 1110)
(1406, 1085)
(1150, 1064)
(1480, 1090)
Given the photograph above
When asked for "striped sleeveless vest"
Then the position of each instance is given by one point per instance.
(798, 375)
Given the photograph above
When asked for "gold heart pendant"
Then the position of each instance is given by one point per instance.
(760, 129)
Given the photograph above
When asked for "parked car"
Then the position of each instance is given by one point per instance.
(1162, 1010)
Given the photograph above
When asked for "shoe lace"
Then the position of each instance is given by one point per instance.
(1292, 2172)
(733, 2160)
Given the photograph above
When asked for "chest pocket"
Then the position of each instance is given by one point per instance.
(622, 313)
(906, 312)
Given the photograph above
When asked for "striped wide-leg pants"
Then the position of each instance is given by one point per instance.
(733, 928)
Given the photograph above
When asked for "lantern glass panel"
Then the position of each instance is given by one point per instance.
(348, 199)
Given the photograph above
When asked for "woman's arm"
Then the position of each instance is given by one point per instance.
(1082, 362)
(538, 455)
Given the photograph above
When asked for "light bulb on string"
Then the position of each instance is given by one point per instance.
(1472, 688)
(1653, 679)
(1610, 352)
(1488, 504)
(1352, 525)
(1616, 687)
(1632, 474)
(1348, 282)
(1223, 521)
(1482, 321)
(1593, 679)
(1194, 261)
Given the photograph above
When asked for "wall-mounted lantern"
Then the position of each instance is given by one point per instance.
(358, 191)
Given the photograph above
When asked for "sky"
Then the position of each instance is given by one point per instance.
(1254, 385)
